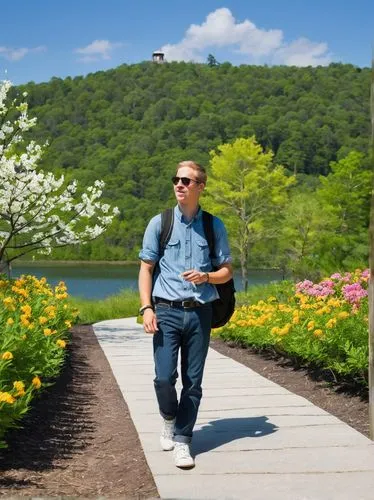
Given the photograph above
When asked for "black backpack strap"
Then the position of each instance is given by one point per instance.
(167, 222)
(209, 232)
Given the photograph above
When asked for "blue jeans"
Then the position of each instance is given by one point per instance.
(189, 331)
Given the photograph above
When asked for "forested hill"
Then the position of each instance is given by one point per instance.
(131, 125)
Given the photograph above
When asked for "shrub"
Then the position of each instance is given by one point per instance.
(324, 324)
(34, 324)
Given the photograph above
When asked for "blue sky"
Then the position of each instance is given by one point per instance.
(42, 39)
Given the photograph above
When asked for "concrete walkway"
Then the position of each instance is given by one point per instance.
(253, 439)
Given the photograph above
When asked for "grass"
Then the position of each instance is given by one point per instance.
(278, 289)
(123, 305)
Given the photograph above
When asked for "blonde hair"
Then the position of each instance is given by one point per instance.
(199, 169)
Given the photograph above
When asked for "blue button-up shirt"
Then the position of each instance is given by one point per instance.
(187, 249)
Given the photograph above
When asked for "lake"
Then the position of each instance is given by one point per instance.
(97, 281)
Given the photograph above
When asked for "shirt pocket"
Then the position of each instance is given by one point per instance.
(172, 249)
(202, 249)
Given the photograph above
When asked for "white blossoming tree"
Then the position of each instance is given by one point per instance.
(38, 211)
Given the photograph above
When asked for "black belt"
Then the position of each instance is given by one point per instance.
(174, 303)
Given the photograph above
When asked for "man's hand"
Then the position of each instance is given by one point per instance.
(150, 321)
(195, 277)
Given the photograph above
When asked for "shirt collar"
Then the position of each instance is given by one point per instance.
(178, 213)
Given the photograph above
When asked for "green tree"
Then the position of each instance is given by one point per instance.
(345, 192)
(248, 191)
(307, 229)
(212, 61)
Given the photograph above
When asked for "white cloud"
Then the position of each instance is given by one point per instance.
(221, 30)
(13, 54)
(303, 52)
(97, 50)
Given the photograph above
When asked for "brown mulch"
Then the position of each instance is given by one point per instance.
(79, 439)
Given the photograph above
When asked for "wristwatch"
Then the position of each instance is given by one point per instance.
(142, 309)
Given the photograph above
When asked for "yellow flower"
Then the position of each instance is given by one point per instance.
(51, 311)
(331, 323)
(343, 315)
(311, 325)
(26, 309)
(7, 355)
(284, 307)
(36, 382)
(323, 310)
(10, 321)
(5, 397)
(25, 320)
(275, 330)
(42, 320)
(47, 332)
(61, 296)
(68, 323)
(20, 291)
(9, 303)
(296, 320)
(61, 343)
(285, 329)
(317, 333)
(24, 337)
(334, 303)
(19, 387)
(18, 283)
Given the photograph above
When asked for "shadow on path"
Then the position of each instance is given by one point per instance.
(219, 432)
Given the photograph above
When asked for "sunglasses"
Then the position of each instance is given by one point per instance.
(184, 180)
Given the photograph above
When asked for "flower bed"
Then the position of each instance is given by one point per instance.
(323, 324)
(34, 323)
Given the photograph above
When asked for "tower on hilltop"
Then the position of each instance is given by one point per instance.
(158, 56)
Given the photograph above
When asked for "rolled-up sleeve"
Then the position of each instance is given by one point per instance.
(222, 248)
(150, 248)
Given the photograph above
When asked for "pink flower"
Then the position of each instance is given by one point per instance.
(328, 283)
(354, 293)
(317, 290)
(347, 277)
(336, 276)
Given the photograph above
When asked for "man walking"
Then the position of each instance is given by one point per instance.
(176, 305)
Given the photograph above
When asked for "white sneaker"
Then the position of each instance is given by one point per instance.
(167, 435)
(182, 456)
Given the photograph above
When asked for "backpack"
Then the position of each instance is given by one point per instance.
(223, 307)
